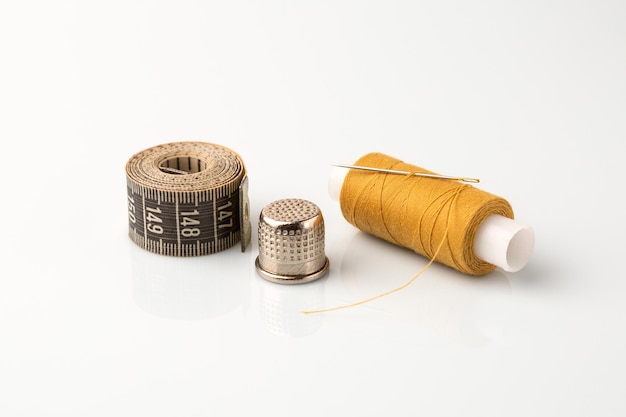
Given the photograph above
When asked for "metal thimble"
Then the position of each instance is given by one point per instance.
(291, 242)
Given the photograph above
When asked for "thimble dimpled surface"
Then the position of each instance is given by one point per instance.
(291, 242)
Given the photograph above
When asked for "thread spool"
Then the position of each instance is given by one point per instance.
(482, 233)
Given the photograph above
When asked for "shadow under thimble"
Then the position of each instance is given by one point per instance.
(282, 307)
(291, 242)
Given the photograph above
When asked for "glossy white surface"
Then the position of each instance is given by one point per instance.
(529, 97)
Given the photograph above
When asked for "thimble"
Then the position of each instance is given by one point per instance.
(291, 242)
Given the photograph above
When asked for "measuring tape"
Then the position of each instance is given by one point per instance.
(187, 199)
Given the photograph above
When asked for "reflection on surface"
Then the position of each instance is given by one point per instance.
(282, 307)
(193, 288)
(465, 309)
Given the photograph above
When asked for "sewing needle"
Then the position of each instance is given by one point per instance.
(417, 174)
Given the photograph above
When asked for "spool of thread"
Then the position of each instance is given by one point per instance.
(468, 229)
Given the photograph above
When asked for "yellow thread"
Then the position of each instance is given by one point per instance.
(401, 287)
(416, 213)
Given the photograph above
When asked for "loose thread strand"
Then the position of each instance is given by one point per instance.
(410, 281)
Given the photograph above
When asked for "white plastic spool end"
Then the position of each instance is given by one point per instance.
(335, 181)
(504, 242)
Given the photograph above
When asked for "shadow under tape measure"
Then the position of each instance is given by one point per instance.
(190, 288)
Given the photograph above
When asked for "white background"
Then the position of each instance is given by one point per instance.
(528, 96)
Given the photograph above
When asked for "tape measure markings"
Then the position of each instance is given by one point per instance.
(191, 214)
(191, 219)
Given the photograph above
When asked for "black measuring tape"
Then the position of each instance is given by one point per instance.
(187, 199)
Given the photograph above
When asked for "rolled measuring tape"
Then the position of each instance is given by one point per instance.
(187, 199)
